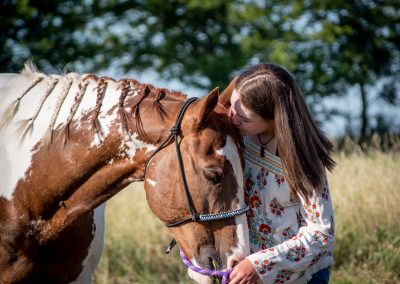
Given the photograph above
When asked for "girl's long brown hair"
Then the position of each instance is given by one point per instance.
(305, 152)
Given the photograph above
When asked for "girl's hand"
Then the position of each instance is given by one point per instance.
(243, 273)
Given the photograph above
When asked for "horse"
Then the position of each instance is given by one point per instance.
(70, 142)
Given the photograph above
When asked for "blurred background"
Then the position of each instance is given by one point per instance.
(344, 54)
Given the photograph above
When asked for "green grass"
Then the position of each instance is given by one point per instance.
(365, 191)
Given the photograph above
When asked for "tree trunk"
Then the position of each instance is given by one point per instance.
(364, 115)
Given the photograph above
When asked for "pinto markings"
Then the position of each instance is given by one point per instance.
(230, 151)
(151, 182)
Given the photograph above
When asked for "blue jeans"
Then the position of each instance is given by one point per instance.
(321, 277)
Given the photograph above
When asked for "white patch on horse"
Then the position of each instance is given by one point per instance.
(96, 247)
(151, 182)
(130, 144)
(17, 157)
(131, 179)
(243, 249)
(96, 141)
(230, 151)
(197, 277)
(135, 92)
(107, 120)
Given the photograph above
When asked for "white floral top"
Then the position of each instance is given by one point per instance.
(290, 239)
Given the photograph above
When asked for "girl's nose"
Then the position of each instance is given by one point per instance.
(233, 117)
(235, 120)
(230, 111)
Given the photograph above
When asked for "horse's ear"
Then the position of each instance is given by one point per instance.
(203, 108)
(225, 96)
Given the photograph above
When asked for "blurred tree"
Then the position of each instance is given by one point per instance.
(41, 30)
(350, 45)
(190, 40)
(330, 46)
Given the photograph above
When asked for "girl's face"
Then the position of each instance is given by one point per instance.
(247, 121)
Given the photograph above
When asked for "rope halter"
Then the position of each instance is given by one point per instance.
(207, 272)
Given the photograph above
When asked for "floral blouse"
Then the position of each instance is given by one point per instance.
(290, 239)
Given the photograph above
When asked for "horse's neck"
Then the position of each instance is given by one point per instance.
(65, 113)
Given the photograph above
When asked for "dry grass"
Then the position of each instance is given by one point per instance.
(135, 242)
(366, 191)
(366, 197)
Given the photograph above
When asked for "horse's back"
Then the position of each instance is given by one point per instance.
(5, 78)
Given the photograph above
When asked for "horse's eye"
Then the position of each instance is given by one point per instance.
(214, 176)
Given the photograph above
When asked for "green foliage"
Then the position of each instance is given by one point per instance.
(42, 30)
(184, 39)
(330, 46)
(352, 44)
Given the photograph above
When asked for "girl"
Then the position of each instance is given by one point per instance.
(290, 218)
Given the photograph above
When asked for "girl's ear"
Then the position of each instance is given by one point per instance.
(203, 108)
(225, 96)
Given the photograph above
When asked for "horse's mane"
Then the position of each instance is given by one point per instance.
(126, 86)
(29, 68)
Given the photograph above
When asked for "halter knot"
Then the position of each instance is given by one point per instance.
(175, 130)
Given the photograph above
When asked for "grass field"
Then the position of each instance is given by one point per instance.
(366, 198)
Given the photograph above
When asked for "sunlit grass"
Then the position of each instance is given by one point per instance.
(135, 242)
(366, 198)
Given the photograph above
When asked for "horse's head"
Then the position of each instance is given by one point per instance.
(213, 171)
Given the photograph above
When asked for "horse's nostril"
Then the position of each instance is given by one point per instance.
(209, 258)
(213, 264)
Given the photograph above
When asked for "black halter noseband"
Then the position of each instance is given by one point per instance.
(174, 131)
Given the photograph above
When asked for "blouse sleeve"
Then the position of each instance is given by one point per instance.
(308, 251)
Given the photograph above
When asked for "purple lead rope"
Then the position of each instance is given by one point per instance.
(207, 272)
